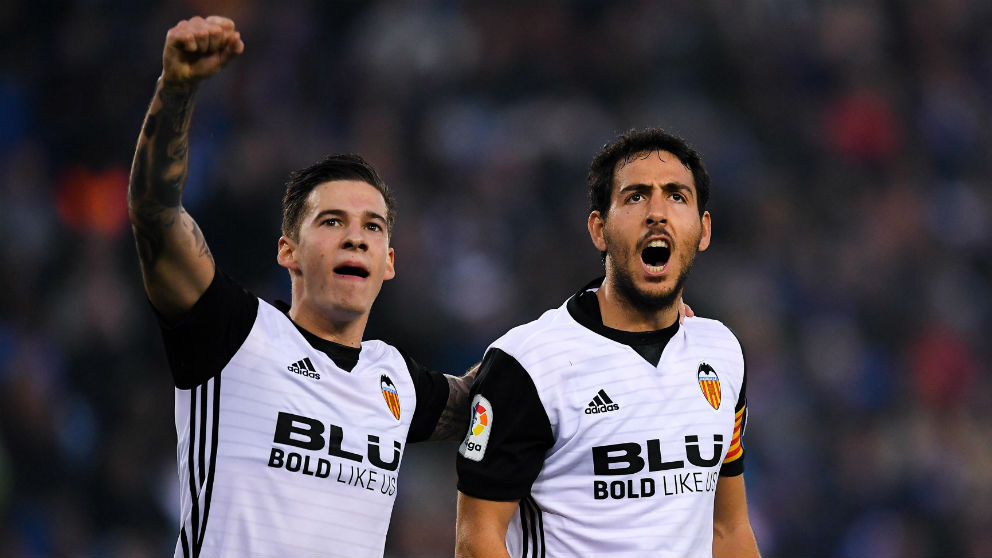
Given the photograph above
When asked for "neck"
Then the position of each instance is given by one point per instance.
(343, 328)
(619, 312)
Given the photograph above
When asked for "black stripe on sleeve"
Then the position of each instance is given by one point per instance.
(532, 529)
(191, 464)
(203, 436)
(534, 532)
(185, 541)
(540, 523)
(208, 491)
(524, 529)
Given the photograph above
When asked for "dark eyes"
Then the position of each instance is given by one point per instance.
(676, 197)
(335, 222)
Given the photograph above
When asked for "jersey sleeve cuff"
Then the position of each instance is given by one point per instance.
(733, 469)
(490, 489)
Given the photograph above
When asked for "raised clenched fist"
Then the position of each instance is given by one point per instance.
(198, 48)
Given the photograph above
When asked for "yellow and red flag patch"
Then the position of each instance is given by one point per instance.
(391, 394)
(709, 382)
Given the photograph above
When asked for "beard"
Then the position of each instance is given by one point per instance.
(640, 299)
(646, 301)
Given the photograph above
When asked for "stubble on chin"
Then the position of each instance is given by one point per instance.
(637, 298)
(641, 299)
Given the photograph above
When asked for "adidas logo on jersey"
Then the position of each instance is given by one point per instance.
(601, 404)
(304, 368)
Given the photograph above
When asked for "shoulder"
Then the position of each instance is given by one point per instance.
(389, 355)
(710, 331)
(273, 324)
(550, 327)
(270, 314)
(543, 350)
(712, 342)
(375, 349)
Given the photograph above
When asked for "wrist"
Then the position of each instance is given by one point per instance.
(177, 87)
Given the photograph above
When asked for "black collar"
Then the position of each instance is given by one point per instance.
(345, 357)
(584, 308)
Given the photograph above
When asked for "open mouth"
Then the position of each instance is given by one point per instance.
(351, 270)
(655, 255)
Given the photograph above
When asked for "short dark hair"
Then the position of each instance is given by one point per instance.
(333, 167)
(602, 170)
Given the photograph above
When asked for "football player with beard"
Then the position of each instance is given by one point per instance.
(605, 427)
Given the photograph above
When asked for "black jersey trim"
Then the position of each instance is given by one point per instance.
(191, 467)
(213, 463)
(432, 391)
(185, 541)
(540, 524)
(736, 467)
(203, 408)
(532, 528)
(583, 306)
(525, 524)
(524, 530)
(344, 357)
(201, 342)
(520, 438)
(202, 469)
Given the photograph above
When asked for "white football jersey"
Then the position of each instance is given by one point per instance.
(613, 441)
(286, 451)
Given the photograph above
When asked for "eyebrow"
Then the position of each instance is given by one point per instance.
(669, 187)
(370, 215)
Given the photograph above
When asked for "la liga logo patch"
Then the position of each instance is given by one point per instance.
(391, 394)
(477, 438)
(480, 419)
(709, 382)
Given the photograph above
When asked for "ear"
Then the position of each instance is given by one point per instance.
(596, 224)
(704, 238)
(286, 255)
(390, 270)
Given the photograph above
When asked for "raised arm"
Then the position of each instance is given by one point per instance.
(175, 262)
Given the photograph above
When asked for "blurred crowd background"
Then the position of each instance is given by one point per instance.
(850, 147)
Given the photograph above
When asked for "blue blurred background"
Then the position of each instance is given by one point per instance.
(850, 149)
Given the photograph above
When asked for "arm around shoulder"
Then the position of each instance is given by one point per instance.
(732, 533)
(453, 422)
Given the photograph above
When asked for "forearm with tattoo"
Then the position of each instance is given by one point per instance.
(453, 422)
(158, 174)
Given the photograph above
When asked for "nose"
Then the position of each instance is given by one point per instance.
(656, 211)
(354, 240)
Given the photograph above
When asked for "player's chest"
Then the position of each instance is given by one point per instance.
(376, 396)
(684, 402)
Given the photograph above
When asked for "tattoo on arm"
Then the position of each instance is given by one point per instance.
(158, 174)
(453, 422)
